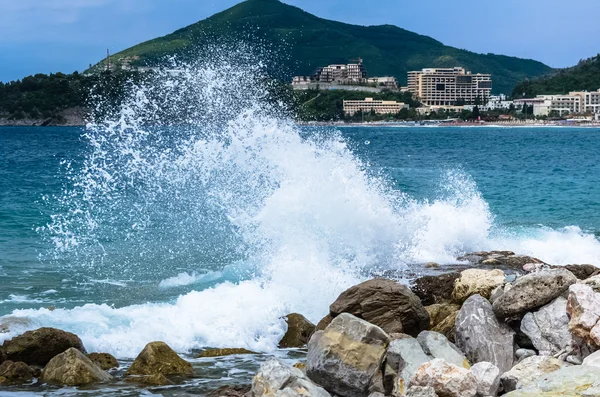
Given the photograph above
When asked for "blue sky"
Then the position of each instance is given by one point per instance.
(66, 35)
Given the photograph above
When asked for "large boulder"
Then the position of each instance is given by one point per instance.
(528, 371)
(532, 291)
(150, 380)
(477, 282)
(73, 368)
(435, 289)
(38, 347)
(583, 307)
(278, 379)
(437, 345)
(447, 380)
(438, 312)
(298, 333)
(403, 358)
(574, 381)
(481, 337)
(159, 358)
(346, 356)
(104, 360)
(488, 378)
(582, 272)
(391, 306)
(14, 373)
(548, 330)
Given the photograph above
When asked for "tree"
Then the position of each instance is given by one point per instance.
(476, 114)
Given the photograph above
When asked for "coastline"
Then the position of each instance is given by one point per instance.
(71, 117)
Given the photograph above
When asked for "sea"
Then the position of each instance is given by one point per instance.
(206, 231)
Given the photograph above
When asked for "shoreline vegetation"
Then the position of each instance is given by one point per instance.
(494, 324)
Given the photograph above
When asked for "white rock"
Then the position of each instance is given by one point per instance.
(528, 371)
(446, 379)
(573, 381)
(275, 378)
(403, 359)
(583, 307)
(421, 391)
(488, 378)
(437, 345)
(593, 360)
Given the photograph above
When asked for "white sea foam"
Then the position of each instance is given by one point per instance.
(185, 278)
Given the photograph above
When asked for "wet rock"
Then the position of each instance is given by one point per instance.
(346, 356)
(298, 332)
(477, 282)
(582, 272)
(481, 337)
(583, 307)
(437, 345)
(38, 347)
(73, 368)
(403, 359)
(385, 303)
(421, 391)
(231, 391)
(528, 371)
(223, 352)
(431, 265)
(532, 291)
(325, 321)
(577, 380)
(518, 261)
(278, 379)
(11, 324)
(151, 380)
(438, 312)
(447, 380)
(15, 373)
(447, 327)
(159, 358)
(488, 378)
(104, 360)
(548, 330)
(435, 289)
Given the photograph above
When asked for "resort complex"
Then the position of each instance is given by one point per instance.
(369, 105)
(577, 102)
(351, 74)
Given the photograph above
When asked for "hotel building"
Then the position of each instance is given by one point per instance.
(576, 102)
(449, 86)
(369, 105)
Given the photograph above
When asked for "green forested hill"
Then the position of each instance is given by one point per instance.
(303, 42)
(583, 77)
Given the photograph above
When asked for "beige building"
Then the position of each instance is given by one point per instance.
(577, 102)
(342, 73)
(388, 81)
(449, 86)
(369, 105)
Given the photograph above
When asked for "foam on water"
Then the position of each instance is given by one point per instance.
(229, 190)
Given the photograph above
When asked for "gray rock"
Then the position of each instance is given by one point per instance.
(438, 346)
(447, 380)
(73, 368)
(593, 360)
(481, 337)
(532, 291)
(528, 371)
(421, 391)
(391, 306)
(548, 329)
(403, 359)
(275, 378)
(522, 354)
(488, 378)
(577, 380)
(346, 356)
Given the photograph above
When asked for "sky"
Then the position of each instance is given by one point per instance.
(43, 36)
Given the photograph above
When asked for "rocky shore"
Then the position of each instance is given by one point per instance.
(504, 325)
(71, 117)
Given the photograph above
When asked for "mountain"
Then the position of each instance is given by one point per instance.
(305, 41)
(583, 77)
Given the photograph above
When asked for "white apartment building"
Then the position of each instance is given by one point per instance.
(576, 102)
(369, 105)
(387, 81)
(449, 86)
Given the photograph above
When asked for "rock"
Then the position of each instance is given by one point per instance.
(447, 327)
(488, 378)
(151, 380)
(583, 307)
(421, 391)
(593, 360)
(11, 323)
(73, 368)
(517, 262)
(346, 356)
(277, 379)
(385, 303)
(593, 282)
(577, 380)
(435, 289)
(376, 385)
(325, 321)
(521, 339)
(38, 347)
(528, 371)
(476, 282)
(223, 352)
(437, 345)
(231, 391)
(376, 394)
(298, 332)
(159, 358)
(522, 354)
(582, 272)
(104, 360)
(532, 291)
(447, 380)
(14, 373)
(431, 265)
(481, 337)
(438, 312)
(402, 360)
(548, 330)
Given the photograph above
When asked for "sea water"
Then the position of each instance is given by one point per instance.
(205, 231)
